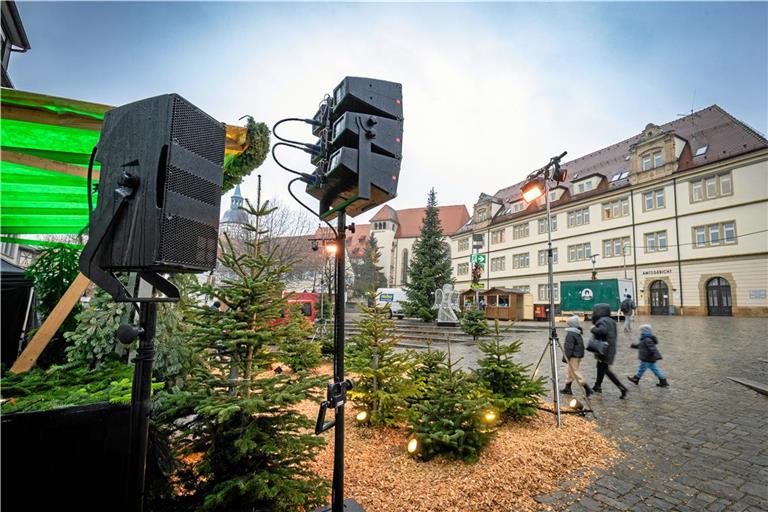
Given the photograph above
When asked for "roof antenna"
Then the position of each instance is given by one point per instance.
(693, 115)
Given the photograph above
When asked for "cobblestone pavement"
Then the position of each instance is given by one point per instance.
(701, 444)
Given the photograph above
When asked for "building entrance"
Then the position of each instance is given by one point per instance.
(659, 298)
(718, 297)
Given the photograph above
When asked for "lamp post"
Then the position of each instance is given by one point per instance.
(538, 184)
(594, 271)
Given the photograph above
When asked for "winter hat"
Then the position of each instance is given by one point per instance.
(646, 329)
(573, 321)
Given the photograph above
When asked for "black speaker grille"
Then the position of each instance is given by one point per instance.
(193, 129)
(195, 187)
(188, 242)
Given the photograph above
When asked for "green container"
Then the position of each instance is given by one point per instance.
(580, 296)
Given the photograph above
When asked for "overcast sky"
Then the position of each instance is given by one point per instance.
(491, 91)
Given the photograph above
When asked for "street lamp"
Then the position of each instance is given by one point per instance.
(536, 186)
(594, 271)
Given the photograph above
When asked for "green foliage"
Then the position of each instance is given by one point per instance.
(515, 394)
(252, 442)
(473, 323)
(382, 386)
(430, 266)
(174, 357)
(447, 420)
(368, 273)
(298, 349)
(52, 272)
(62, 386)
(257, 140)
(94, 342)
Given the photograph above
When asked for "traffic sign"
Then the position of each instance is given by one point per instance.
(477, 286)
(480, 259)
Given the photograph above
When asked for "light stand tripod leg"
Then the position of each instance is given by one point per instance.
(538, 364)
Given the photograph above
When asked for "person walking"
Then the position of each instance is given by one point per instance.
(574, 352)
(604, 330)
(628, 308)
(648, 353)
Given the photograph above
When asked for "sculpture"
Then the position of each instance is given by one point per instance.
(446, 302)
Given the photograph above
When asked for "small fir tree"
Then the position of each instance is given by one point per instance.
(251, 442)
(473, 323)
(383, 386)
(448, 419)
(368, 274)
(299, 349)
(430, 267)
(515, 394)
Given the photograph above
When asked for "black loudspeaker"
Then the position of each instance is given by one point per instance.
(160, 189)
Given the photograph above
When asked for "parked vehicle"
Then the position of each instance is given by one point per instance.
(578, 297)
(395, 297)
(308, 302)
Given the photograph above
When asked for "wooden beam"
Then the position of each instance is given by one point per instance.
(45, 116)
(48, 165)
(43, 335)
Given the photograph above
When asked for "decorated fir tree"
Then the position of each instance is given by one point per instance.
(250, 443)
(383, 386)
(368, 273)
(449, 418)
(473, 323)
(430, 267)
(515, 394)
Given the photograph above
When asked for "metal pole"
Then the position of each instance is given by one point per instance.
(553, 342)
(624, 253)
(140, 404)
(337, 493)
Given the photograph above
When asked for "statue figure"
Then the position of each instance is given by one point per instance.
(446, 302)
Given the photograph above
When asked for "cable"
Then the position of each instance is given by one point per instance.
(90, 182)
(336, 233)
(303, 175)
(308, 121)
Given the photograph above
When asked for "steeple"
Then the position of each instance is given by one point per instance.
(237, 199)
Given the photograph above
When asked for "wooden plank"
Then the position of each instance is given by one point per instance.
(48, 165)
(37, 100)
(43, 336)
(46, 116)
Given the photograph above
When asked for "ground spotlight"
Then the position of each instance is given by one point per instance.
(575, 404)
(413, 447)
(490, 416)
(363, 417)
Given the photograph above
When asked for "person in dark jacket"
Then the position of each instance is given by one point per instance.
(574, 352)
(628, 310)
(648, 353)
(604, 329)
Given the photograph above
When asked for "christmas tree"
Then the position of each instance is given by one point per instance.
(299, 349)
(515, 394)
(449, 417)
(368, 273)
(383, 386)
(473, 323)
(250, 441)
(430, 268)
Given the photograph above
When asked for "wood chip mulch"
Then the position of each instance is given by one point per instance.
(524, 460)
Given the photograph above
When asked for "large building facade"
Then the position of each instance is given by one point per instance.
(688, 198)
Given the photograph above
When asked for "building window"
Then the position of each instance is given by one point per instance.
(647, 163)
(656, 241)
(521, 260)
(653, 199)
(497, 236)
(657, 160)
(543, 224)
(404, 270)
(8, 249)
(585, 186)
(498, 264)
(462, 269)
(711, 187)
(543, 257)
(482, 214)
(520, 230)
(578, 217)
(615, 209)
(579, 252)
(614, 247)
(522, 288)
(723, 233)
(544, 292)
(463, 244)
(518, 206)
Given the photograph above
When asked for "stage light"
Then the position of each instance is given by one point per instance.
(575, 404)
(330, 249)
(533, 190)
(490, 416)
(363, 417)
(413, 447)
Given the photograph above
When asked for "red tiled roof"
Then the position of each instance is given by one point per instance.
(386, 213)
(451, 218)
(726, 136)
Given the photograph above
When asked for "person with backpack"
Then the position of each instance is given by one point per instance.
(648, 353)
(627, 308)
(604, 346)
(574, 352)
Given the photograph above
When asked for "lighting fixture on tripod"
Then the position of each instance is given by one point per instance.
(533, 189)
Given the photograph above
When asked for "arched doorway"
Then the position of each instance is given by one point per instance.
(659, 298)
(718, 297)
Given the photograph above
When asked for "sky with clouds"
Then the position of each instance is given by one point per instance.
(490, 90)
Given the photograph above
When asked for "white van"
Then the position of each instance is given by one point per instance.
(394, 297)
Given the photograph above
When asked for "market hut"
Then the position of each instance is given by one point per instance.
(503, 303)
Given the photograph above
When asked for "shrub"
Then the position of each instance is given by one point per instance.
(473, 323)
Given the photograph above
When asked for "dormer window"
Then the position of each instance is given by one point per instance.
(657, 160)
(647, 163)
(702, 150)
(482, 214)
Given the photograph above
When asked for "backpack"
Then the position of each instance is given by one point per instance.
(626, 306)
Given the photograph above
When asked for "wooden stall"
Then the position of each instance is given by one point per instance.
(497, 303)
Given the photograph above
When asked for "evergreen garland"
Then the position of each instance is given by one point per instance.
(430, 267)
(515, 394)
(257, 147)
